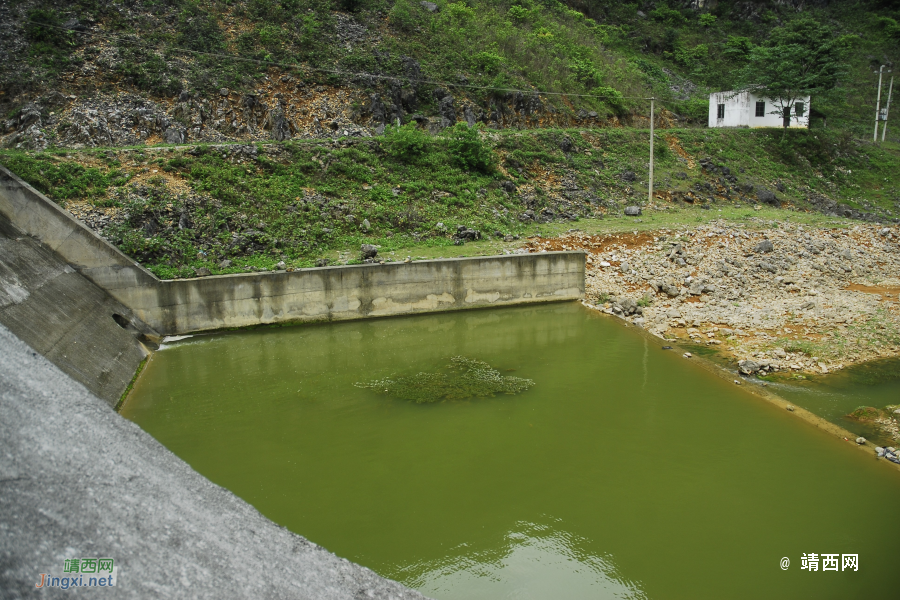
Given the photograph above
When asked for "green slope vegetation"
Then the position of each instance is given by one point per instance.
(615, 51)
(180, 209)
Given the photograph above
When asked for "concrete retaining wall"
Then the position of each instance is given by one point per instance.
(66, 317)
(183, 306)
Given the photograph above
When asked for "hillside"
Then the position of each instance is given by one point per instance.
(184, 71)
(235, 207)
(239, 135)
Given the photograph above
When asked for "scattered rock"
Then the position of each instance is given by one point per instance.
(429, 6)
(202, 272)
(225, 264)
(860, 440)
(687, 355)
(748, 367)
(633, 211)
(368, 251)
(767, 197)
(464, 234)
(764, 246)
(790, 408)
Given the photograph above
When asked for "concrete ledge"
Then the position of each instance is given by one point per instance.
(77, 480)
(330, 293)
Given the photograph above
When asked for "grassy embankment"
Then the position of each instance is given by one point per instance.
(178, 209)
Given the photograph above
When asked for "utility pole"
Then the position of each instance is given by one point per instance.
(878, 104)
(887, 109)
(650, 192)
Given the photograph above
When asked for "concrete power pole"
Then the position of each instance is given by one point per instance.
(650, 192)
(878, 104)
(887, 109)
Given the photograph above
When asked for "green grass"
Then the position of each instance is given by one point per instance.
(309, 200)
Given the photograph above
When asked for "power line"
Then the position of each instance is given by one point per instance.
(291, 66)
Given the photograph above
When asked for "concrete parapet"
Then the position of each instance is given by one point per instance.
(329, 293)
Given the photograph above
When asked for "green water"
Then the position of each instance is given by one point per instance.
(836, 395)
(626, 471)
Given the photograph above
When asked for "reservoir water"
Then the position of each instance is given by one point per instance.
(625, 471)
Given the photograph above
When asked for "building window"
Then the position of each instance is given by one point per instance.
(760, 109)
(721, 113)
(799, 108)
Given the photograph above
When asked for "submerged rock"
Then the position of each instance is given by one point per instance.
(467, 378)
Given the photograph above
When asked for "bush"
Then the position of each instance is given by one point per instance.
(402, 16)
(406, 143)
(612, 97)
(488, 62)
(737, 48)
(466, 146)
(665, 14)
(198, 30)
(517, 13)
(585, 72)
(707, 19)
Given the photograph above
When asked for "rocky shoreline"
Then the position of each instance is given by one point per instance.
(771, 297)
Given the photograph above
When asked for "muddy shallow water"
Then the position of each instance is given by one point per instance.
(626, 471)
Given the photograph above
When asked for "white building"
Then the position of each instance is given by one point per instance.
(743, 109)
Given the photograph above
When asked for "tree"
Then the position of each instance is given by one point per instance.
(800, 59)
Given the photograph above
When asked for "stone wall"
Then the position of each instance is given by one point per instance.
(330, 293)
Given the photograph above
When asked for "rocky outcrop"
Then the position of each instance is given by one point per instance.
(799, 303)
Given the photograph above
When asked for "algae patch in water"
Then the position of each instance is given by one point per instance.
(467, 378)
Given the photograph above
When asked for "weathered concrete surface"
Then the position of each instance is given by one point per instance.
(89, 254)
(77, 480)
(331, 293)
(65, 317)
(360, 291)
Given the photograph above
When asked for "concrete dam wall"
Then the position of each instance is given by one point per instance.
(66, 317)
(76, 472)
(330, 293)
(79, 480)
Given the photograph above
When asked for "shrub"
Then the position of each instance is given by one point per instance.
(406, 143)
(585, 72)
(665, 14)
(466, 146)
(402, 16)
(707, 19)
(488, 62)
(199, 30)
(517, 13)
(737, 48)
(612, 97)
